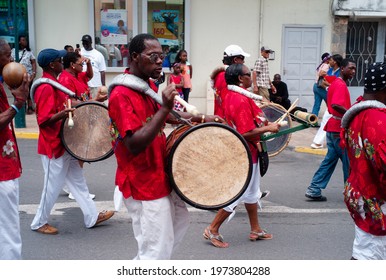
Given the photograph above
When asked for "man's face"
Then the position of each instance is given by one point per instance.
(87, 45)
(348, 72)
(276, 79)
(150, 60)
(5, 56)
(265, 54)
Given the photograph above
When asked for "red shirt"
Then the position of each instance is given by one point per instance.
(141, 176)
(76, 84)
(10, 164)
(244, 115)
(365, 189)
(220, 87)
(337, 94)
(49, 101)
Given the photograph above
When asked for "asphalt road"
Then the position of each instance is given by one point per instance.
(302, 230)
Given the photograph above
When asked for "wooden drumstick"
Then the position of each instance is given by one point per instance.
(70, 120)
(189, 108)
(288, 111)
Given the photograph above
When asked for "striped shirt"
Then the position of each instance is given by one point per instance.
(262, 72)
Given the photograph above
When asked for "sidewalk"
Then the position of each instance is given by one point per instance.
(300, 140)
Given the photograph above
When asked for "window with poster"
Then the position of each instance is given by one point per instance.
(166, 21)
(113, 30)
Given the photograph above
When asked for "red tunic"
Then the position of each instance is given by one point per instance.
(76, 84)
(220, 87)
(365, 189)
(10, 164)
(337, 94)
(141, 176)
(49, 101)
(244, 115)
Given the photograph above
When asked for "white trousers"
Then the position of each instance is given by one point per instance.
(57, 172)
(368, 247)
(158, 225)
(252, 194)
(10, 239)
(320, 136)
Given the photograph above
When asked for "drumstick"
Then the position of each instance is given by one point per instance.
(70, 120)
(287, 112)
(189, 108)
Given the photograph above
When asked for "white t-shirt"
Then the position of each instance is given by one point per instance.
(98, 65)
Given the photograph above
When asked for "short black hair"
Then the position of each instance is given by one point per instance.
(70, 57)
(346, 61)
(338, 59)
(66, 47)
(233, 72)
(137, 44)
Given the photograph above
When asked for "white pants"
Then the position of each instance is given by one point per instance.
(320, 136)
(158, 225)
(57, 172)
(252, 194)
(368, 247)
(10, 239)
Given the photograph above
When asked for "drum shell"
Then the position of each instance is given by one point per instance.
(89, 139)
(209, 165)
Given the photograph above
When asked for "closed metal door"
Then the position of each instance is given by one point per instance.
(301, 56)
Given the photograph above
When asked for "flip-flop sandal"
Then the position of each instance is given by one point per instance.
(253, 236)
(212, 237)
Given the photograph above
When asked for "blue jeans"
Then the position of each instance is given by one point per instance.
(327, 167)
(319, 95)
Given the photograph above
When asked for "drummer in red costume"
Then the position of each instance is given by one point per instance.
(232, 54)
(159, 217)
(10, 165)
(59, 166)
(243, 114)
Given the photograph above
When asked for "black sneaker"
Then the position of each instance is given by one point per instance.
(316, 198)
(265, 194)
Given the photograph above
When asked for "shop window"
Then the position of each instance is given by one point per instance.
(113, 30)
(166, 21)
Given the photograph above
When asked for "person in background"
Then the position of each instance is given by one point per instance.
(97, 62)
(59, 166)
(338, 101)
(10, 163)
(69, 48)
(332, 73)
(364, 136)
(26, 58)
(246, 117)
(320, 92)
(186, 71)
(177, 78)
(260, 75)
(280, 96)
(233, 54)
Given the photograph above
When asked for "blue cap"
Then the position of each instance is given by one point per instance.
(47, 56)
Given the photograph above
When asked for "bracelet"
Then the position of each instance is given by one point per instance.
(202, 118)
(15, 108)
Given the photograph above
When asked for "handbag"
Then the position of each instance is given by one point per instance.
(320, 83)
(263, 157)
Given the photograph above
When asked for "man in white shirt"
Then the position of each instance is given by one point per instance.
(97, 62)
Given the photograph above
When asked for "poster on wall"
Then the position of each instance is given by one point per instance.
(165, 26)
(114, 26)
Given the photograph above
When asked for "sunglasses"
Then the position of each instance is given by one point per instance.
(154, 57)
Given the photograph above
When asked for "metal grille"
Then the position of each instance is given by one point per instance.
(361, 47)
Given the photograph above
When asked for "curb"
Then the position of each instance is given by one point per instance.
(27, 135)
(301, 149)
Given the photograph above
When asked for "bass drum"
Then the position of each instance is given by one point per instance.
(273, 112)
(89, 139)
(209, 165)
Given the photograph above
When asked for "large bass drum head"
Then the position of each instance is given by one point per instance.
(89, 139)
(209, 165)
